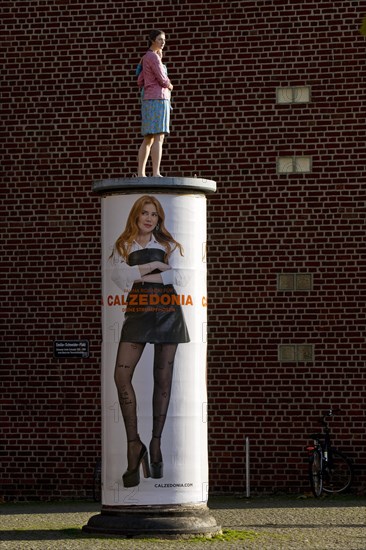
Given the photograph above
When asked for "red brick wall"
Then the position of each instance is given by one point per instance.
(70, 116)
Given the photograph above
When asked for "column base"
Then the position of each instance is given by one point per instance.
(180, 521)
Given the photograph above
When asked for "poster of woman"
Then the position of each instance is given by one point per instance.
(154, 349)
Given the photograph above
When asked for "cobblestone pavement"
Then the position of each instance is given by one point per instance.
(265, 523)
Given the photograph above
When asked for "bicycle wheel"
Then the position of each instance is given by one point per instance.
(315, 473)
(338, 477)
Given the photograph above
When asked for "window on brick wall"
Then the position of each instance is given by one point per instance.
(293, 94)
(291, 165)
(295, 353)
(295, 281)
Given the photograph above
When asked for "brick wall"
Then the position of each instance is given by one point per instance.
(71, 115)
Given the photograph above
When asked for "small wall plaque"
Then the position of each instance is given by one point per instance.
(63, 349)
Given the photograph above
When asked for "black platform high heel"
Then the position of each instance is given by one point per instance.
(156, 468)
(131, 478)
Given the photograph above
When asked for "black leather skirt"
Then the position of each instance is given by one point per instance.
(154, 312)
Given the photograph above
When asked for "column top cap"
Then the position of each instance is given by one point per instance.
(173, 184)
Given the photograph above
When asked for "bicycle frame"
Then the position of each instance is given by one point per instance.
(324, 447)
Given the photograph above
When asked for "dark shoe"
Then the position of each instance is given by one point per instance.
(156, 468)
(131, 478)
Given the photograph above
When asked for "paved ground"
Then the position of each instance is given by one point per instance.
(264, 523)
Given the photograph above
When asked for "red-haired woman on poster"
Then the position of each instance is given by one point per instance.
(141, 258)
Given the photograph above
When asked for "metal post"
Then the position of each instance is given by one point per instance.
(247, 467)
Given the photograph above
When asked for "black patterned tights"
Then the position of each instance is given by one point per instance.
(128, 356)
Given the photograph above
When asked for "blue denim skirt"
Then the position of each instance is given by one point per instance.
(155, 115)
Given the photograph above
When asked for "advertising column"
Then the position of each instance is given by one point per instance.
(154, 323)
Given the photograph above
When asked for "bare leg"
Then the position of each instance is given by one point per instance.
(156, 153)
(128, 356)
(143, 155)
(163, 376)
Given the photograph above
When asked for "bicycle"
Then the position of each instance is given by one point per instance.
(329, 469)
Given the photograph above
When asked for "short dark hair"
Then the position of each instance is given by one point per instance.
(154, 34)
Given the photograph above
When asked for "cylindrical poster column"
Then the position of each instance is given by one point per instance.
(154, 400)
